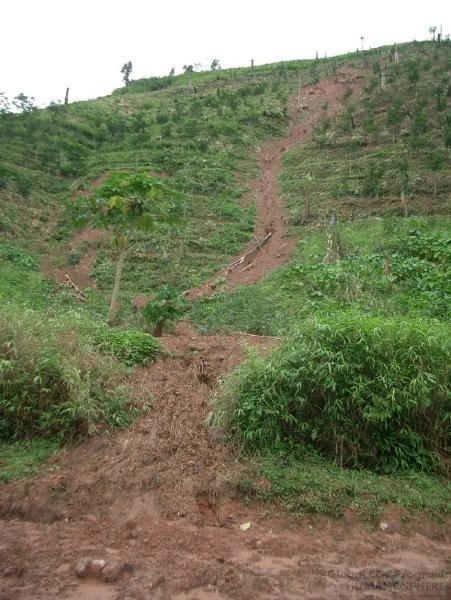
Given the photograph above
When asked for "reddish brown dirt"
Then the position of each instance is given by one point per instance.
(158, 498)
(82, 240)
(79, 273)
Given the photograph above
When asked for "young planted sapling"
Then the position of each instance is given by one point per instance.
(166, 306)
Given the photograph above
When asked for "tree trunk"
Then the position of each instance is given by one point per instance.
(117, 283)
(158, 329)
(387, 265)
(66, 97)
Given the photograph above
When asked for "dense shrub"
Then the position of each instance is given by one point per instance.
(17, 255)
(53, 383)
(131, 346)
(366, 391)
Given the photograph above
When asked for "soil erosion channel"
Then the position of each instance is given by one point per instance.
(148, 512)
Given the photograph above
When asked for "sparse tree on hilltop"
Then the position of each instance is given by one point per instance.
(215, 64)
(24, 103)
(4, 104)
(126, 70)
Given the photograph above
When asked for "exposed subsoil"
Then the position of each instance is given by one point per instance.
(156, 500)
(266, 193)
(79, 273)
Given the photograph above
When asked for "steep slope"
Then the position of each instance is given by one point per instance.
(273, 245)
(160, 500)
(168, 502)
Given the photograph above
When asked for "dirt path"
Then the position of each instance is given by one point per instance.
(155, 500)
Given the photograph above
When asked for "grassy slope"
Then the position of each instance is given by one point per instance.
(387, 154)
(199, 139)
(387, 178)
(196, 129)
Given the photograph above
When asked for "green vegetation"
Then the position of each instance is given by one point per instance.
(165, 307)
(131, 346)
(394, 271)
(352, 409)
(199, 141)
(307, 484)
(122, 203)
(418, 281)
(21, 459)
(387, 152)
(366, 392)
(54, 384)
(20, 279)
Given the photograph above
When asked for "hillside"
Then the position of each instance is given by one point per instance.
(289, 435)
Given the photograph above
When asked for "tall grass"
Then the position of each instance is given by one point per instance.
(364, 391)
(53, 382)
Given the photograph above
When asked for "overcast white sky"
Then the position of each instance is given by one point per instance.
(48, 45)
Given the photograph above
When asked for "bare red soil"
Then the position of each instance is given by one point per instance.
(156, 503)
(80, 272)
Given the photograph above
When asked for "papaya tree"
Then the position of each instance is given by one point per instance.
(122, 203)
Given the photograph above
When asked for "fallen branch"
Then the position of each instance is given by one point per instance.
(79, 295)
(249, 253)
(247, 267)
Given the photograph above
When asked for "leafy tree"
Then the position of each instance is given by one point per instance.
(188, 68)
(172, 72)
(24, 103)
(215, 64)
(4, 104)
(127, 68)
(123, 202)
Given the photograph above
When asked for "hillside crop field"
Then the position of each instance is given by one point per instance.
(225, 341)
